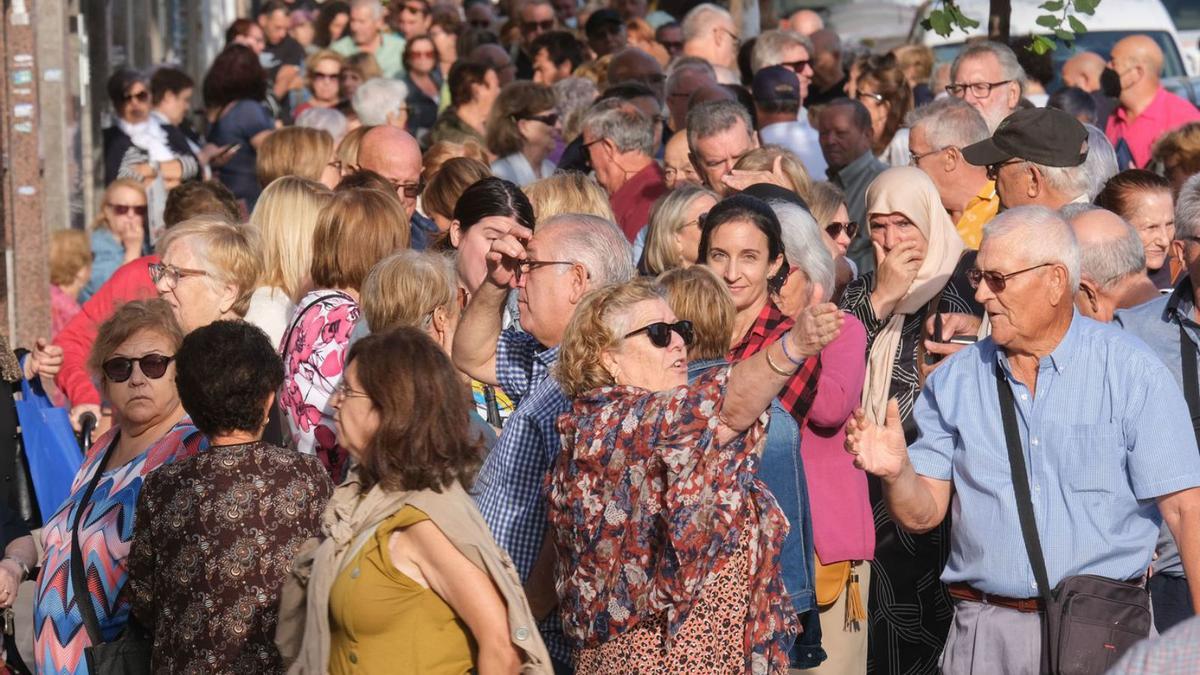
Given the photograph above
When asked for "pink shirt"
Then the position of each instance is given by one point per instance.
(843, 526)
(62, 308)
(1166, 112)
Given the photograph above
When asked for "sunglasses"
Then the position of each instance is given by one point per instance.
(530, 26)
(122, 209)
(549, 119)
(410, 190)
(140, 97)
(798, 65)
(120, 369)
(835, 229)
(326, 76)
(659, 333)
(421, 55)
(996, 281)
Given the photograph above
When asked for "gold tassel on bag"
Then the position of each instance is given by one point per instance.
(856, 611)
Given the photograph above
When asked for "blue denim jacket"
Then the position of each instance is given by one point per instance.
(783, 472)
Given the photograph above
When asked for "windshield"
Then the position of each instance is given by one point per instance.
(1185, 13)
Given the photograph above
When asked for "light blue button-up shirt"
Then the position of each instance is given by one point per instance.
(1106, 433)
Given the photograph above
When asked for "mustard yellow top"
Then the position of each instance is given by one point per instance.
(381, 621)
(978, 212)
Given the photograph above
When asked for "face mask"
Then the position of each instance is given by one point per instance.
(1110, 83)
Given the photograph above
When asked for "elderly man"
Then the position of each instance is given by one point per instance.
(552, 271)
(938, 132)
(709, 33)
(381, 101)
(845, 135)
(1036, 156)
(777, 99)
(634, 65)
(619, 141)
(1145, 110)
(394, 154)
(536, 17)
(719, 133)
(1169, 326)
(687, 74)
(988, 76)
(1083, 71)
(788, 49)
(368, 33)
(829, 76)
(1103, 429)
(1112, 262)
(677, 163)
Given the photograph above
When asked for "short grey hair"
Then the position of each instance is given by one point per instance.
(574, 95)
(1101, 162)
(623, 124)
(803, 245)
(1010, 68)
(701, 18)
(1107, 262)
(1038, 235)
(1072, 181)
(713, 117)
(770, 45)
(1187, 210)
(376, 98)
(596, 243)
(375, 5)
(328, 119)
(949, 121)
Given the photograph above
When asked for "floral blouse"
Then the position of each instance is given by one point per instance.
(644, 502)
(314, 355)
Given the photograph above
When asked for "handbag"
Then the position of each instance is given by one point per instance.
(50, 447)
(129, 654)
(1089, 620)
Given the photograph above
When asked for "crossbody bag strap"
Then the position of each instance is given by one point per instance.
(287, 337)
(1191, 379)
(83, 598)
(1020, 480)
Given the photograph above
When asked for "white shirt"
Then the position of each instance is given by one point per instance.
(516, 168)
(801, 139)
(271, 310)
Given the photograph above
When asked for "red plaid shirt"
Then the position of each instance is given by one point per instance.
(798, 394)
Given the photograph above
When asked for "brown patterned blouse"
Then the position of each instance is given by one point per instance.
(214, 541)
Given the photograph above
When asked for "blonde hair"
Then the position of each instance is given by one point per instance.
(286, 216)
(405, 289)
(698, 295)
(355, 230)
(596, 71)
(666, 221)
(916, 61)
(823, 202)
(763, 159)
(448, 184)
(443, 151)
(293, 151)
(597, 325)
(364, 65)
(310, 64)
(568, 192)
(347, 150)
(231, 254)
(70, 251)
(136, 186)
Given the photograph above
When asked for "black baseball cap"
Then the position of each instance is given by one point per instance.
(1045, 136)
(601, 19)
(776, 84)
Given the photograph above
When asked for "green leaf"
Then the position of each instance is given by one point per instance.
(1053, 6)
(1086, 6)
(1064, 35)
(1076, 24)
(1048, 21)
(1041, 45)
(940, 22)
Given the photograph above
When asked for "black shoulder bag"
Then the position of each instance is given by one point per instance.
(130, 653)
(1191, 388)
(1089, 620)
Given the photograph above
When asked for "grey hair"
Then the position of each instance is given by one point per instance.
(713, 117)
(1010, 68)
(328, 119)
(621, 123)
(701, 18)
(574, 95)
(1107, 262)
(1038, 235)
(1101, 162)
(1187, 210)
(596, 243)
(376, 98)
(1071, 181)
(949, 121)
(375, 5)
(803, 245)
(768, 49)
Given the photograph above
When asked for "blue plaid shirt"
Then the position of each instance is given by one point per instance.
(509, 489)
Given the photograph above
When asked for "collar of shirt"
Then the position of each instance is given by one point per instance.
(1062, 354)
(770, 324)
(848, 173)
(1152, 112)
(651, 174)
(1181, 306)
(986, 194)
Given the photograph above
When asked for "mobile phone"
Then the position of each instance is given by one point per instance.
(963, 340)
(232, 147)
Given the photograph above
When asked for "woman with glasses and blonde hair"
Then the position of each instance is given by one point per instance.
(208, 272)
(118, 233)
(522, 131)
(323, 75)
(827, 203)
(673, 236)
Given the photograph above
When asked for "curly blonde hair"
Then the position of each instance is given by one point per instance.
(598, 325)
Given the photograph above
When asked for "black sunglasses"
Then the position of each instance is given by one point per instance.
(140, 97)
(120, 369)
(531, 26)
(659, 333)
(549, 119)
(798, 65)
(834, 229)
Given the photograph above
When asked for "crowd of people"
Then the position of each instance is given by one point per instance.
(540, 337)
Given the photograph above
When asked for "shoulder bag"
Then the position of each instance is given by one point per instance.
(1089, 620)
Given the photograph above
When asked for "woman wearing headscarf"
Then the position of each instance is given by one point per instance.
(922, 269)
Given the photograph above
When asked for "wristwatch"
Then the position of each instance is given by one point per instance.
(20, 565)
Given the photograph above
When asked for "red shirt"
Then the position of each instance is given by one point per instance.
(798, 394)
(631, 204)
(1166, 112)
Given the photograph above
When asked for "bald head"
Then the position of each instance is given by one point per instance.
(634, 65)
(1109, 247)
(804, 22)
(1141, 50)
(394, 154)
(1083, 70)
(1138, 62)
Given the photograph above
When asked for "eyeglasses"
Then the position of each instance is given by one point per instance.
(120, 368)
(878, 98)
(549, 119)
(995, 280)
(798, 66)
(914, 158)
(421, 55)
(325, 76)
(993, 170)
(527, 266)
(141, 97)
(122, 209)
(978, 89)
(410, 190)
(659, 333)
(531, 26)
(344, 390)
(835, 229)
(172, 274)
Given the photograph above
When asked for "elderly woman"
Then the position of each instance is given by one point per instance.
(118, 233)
(205, 581)
(138, 146)
(88, 538)
(1144, 199)
(655, 510)
(323, 76)
(408, 578)
(882, 87)
(522, 131)
(298, 151)
(286, 217)
(827, 203)
(355, 230)
(209, 270)
(922, 269)
(673, 235)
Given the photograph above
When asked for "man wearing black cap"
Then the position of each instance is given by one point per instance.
(605, 32)
(777, 99)
(1036, 157)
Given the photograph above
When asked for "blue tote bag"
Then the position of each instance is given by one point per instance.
(50, 447)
